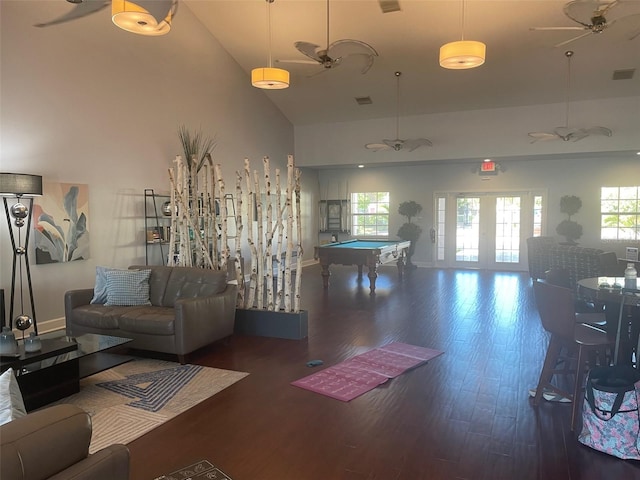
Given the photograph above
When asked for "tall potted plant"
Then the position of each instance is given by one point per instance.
(570, 229)
(410, 231)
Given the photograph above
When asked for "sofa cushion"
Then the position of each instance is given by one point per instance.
(191, 282)
(99, 316)
(148, 320)
(128, 287)
(11, 403)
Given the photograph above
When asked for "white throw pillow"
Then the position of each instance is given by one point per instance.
(11, 403)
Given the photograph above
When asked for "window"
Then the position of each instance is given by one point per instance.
(537, 215)
(441, 216)
(370, 214)
(620, 213)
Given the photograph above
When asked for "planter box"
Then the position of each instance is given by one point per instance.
(278, 324)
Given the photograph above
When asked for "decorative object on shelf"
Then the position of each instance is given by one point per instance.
(410, 231)
(144, 17)
(166, 208)
(269, 78)
(8, 344)
(19, 185)
(567, 133)
(61, 219)
(571, 230)
(334, 54)
(397, 144)
(462, 54)
(32, 343)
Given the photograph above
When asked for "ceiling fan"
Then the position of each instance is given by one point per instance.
(397, 144)
(143, 15)
(590, 15)
(334, 53)
(566, 133)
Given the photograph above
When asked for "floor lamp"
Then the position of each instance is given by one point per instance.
(19, 185)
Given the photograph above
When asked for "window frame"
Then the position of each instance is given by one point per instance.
(358, 228)
(614, 206)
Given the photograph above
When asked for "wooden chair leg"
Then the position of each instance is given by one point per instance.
(577, 387)
(550, 359)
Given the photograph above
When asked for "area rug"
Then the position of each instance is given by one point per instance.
(127, 401)
(362, 373)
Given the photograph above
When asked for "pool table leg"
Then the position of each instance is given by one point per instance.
(401, 264)
(373, 274)
(325, 274)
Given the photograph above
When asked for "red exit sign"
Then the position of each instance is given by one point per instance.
(488, 168)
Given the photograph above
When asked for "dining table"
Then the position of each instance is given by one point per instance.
(622, 312)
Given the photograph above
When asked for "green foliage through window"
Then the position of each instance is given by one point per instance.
(370, 214)
(620, 213)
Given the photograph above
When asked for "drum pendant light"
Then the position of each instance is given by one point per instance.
(144, 17)
(269, 78)
(462, 54)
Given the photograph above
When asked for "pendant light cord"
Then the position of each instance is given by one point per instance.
(269, 2)
(462, 21)
(568, 54)
(327, 52)
(398, 105)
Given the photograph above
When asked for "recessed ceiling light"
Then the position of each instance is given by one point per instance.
(362, 166)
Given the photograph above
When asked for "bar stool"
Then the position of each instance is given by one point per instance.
(556, 307)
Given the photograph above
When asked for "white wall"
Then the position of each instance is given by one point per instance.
(89, 103)
(582, 177)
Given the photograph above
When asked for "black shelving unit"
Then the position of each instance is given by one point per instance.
(157, 227)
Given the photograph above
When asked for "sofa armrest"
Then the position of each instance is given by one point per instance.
(110, 463)
(44, 443)
(203, 320)
(75, 298)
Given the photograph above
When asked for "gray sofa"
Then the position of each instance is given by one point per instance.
(190, 308)
(53, 443)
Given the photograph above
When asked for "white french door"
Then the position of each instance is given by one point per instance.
(485, 230)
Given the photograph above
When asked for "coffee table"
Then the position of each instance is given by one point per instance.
(55, 371)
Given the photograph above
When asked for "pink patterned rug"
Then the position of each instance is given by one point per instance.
(351, 378)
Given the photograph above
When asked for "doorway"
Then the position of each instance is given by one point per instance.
(486, 230)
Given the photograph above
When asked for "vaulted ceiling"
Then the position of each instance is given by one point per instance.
(523, 66)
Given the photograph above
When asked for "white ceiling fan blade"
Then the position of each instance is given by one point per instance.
(577, 135)
(302, 62)
(557, 28)
(309, 49)
(566, 42)
(79, 10)
(542, 136)
(342, 48)
(599, 131)
(368, 60)
(376, 147)
(413, 143)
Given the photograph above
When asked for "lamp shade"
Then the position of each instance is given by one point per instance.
(14, 184)
(144, 17)
(462, 54)
(270, 78)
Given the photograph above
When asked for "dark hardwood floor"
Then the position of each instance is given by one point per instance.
(463, 415)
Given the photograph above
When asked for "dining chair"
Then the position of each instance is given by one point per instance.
(556, 307)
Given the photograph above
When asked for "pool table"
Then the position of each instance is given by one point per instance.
(362, 252)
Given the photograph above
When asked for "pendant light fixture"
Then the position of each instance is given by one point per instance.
(462, 54)
(269, 78)
(144, 17)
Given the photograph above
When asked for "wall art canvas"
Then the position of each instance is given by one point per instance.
(61, 218)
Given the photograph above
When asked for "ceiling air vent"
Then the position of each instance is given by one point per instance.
(388, 6)
(364, 100)
(624, 74)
